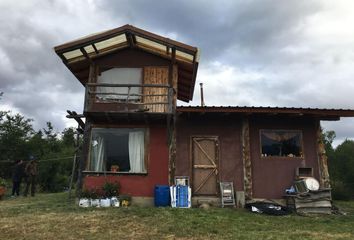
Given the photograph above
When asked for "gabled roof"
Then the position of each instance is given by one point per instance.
(323, 114)
(78, 54)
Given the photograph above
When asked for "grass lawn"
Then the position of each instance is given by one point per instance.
(52, 216)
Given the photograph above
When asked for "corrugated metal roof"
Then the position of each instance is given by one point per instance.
(264, 110)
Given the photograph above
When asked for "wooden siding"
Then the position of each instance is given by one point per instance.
(156, 75)
(155, 71)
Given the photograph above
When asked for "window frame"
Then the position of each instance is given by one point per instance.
(105, 68)
(146, 152)
(282, 157)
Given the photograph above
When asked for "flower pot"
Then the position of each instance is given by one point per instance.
(105, 202)
(95, 203)
(84, 202)
(115, 202)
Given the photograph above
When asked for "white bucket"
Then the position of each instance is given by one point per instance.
(84, 202)
(95, 203)
(115, 202)
(105, 202)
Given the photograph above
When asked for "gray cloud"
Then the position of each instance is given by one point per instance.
(269, 53)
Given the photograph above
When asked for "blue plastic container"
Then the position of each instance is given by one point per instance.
(162, 196)
(182, 196)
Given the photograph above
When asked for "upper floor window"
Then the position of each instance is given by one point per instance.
(117, 150)
(132, 76)
(281, 143)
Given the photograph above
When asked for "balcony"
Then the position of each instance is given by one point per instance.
(132, 100)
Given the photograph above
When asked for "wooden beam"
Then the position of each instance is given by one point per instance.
(77, 117)
(63, 58)
(85, 54)
(94, 48)
(130, 40)
(246, 157)
(322, 159)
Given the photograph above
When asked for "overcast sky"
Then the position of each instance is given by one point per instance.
(253, 53)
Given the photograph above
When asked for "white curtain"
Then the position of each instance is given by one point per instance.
(120, 76)
(98, 155)
(136, 152)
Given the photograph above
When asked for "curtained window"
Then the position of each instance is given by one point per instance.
(117, 150)
(281, 143)
(120, 76)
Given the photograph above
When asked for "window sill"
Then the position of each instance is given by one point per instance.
(282, 157)
(113, 173)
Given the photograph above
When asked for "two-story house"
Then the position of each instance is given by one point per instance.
(135, 134)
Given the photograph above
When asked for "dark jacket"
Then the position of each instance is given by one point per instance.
(31, 168)
(17, 172)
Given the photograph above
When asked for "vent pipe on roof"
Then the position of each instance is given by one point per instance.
(201, 95)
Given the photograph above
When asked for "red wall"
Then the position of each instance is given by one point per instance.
(271, 176)
(141, 185)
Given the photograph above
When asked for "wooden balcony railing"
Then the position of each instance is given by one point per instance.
(105, 97)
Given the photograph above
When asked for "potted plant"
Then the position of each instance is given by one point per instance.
(95, 196)
(2, 187)
(111, 189)
(111, 192)
(85, 198)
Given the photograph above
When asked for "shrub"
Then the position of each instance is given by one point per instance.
(111, 189)
(340, 191)
(3, 182)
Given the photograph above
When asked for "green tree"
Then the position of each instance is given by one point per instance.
(68, 137)
(343, 169)
(15, 132)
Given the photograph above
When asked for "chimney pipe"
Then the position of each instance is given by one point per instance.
(201, 95)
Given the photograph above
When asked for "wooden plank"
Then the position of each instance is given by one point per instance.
(125, 94)
(128, 85)
(204, 180)
(156, 76)
(309, 210)
(206, 154)
(314, 204)
(204, 166)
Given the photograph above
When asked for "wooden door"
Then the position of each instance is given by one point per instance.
(205, 151)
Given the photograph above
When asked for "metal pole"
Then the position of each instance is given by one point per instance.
(201, 95)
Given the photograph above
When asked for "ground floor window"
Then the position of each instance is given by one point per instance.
(117, 150)
(282, 143)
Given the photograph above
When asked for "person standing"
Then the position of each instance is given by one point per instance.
(17, 177)
(31, 172)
